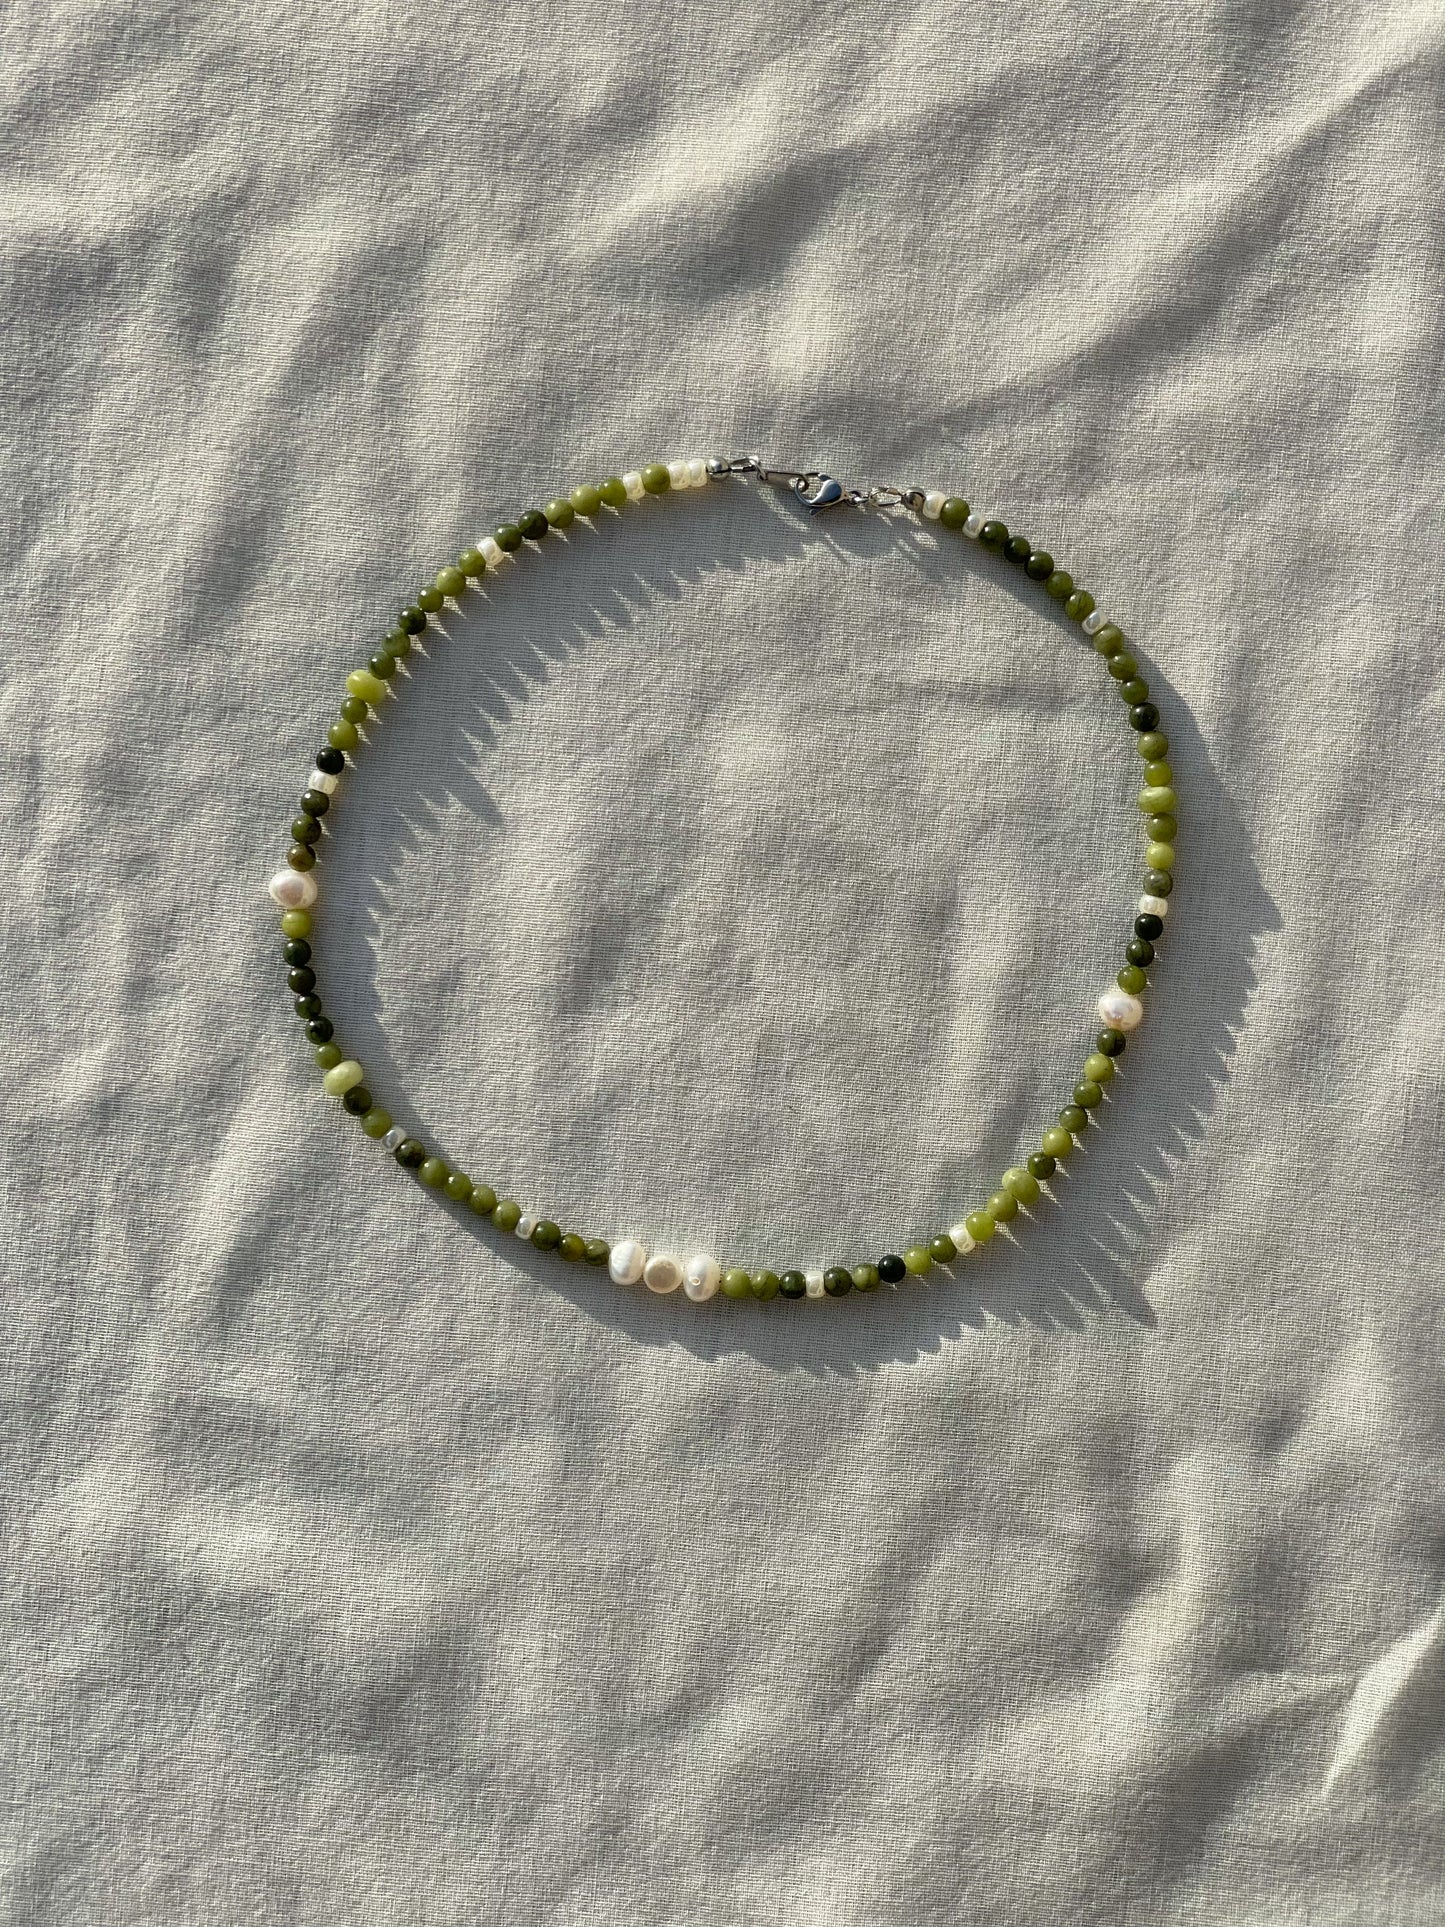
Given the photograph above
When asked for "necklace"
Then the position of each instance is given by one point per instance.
(701, 1276)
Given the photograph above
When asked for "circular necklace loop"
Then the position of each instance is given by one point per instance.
(701, 1276)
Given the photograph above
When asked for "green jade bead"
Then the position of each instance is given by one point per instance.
(980, 1226)
(296, 923)
(655, 478)
(506, 1214)
(559, 514)
(942, 1250)
(571, 1247)
(952, 515)
(1132, 979)
(1158, 799)
(433, 1173)
(362, 683)
(865, 1277)
(837, 1282)
(1020, 1184)
(342, 1077)
(1002, 1207)
(1158, 775)
(1056, 1141)
(1041, 1165)
(546, 1235)
(917, 1261)
(1088, 1094)
(586, 500)
(596, 1251)
(737, 1284)
(343, 735)
(328, 1056)
(377, 1122)
(1152, 745)
(1074, 1118)
(1098, 1069)
(533, 524)
(458, 1187)
(430, 599)
(1079, 605)
(793, 1284)
(1060, 586)
(451, 582)
(355, 709)
(1160, 856)
(1110, 639)
(483, 1200)
(508, 537)
(763, 1285)
(472, 563)
(613, 492)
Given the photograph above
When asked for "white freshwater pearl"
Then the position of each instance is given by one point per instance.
(525, 1225)
(1094, 623)
(323, 780)
(679, 475)
(394, 1138)
(632, 482)
(625, 1261)
(697, 473)
(933, 503)
(293, 889)
(973, 527)
(815, 1284)
(701, 1276)
(1154, 906)
(662, 1272)
(1121, 1011)
(492, 552)
(962, 1237)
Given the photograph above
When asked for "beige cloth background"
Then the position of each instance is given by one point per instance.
(745, 882)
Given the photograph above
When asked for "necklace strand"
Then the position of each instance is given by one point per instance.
(700, 1276)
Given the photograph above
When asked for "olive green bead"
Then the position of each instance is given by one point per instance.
(546, 1235)
(533, 524)
(433, 1173)
(377, 1121)
(506, 1214)
(865, 1277)
(571, 1247)
(305, 829)
(1158, 883)
(296, 923)
(1112, 1043)
(1160, 856)
(1041, 1165)
(301, 856)
(1121, 666)
(560, 514)
(1074, 1118)
(1079, 605)
(1161, 829)
(1039, 566)
(343, 735)
(837, 1281)
(328, 1056)
(451, 581)
(1098, 1068)
(1152, 744)
(1158, 776)
(472, 563)
(793, 1284)
(942, 1250)
(1021, 1184)
(586, 500)
(1059, 586)
(1132, 979)
(1157, 799)
(412, 620)
(613, 492)
(993, 535)
(355, 709)
(342, 1077)
(508, 537)
(382, 665)
(1056, 1141)
(655, 478)
(952, 515)
(980, 1226)
(430, 599)
(1018, 549)
(1088, 1094)
(458, 1187)
(596, 1252)
(738, 1284)
(764, 1285)
(1110, 639)
(1002, 1207)
(1139, 950)
(396, 643)
(370, 688)
(916, 1261)
(483, 1200)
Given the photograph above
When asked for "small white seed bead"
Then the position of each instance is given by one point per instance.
(323, 780)
(1154, 906)
(625, 1261)
(933, 503)
(961, 1236)
(701, 1276)
(815, 1284)
(293, 889)
(525, 1225)
(632, 482)
(973, 527)
(1120, 1010)
(1094, 623)
(679, 475)
(662, 1272)
(394, 1138)
(697, 473)
(492, 553)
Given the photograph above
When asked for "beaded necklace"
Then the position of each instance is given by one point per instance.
(701, 1276)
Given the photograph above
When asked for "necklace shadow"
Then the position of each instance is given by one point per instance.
(1081, 1253)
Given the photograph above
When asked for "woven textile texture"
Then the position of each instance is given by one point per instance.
(743, 881)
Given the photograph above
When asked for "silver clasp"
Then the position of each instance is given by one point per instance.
(815, 489)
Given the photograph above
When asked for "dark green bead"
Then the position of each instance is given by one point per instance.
(430, 599)
(533, 524)
(1139, 951)
(298, 951)
(355, 709)
(1088, 1094)
(1113, 1043)
(1041, 1165)
(382, 665)
(328, 1055)
(1109, 640)
(891, 1268)
(655, 478)
(506, 1214)
(412, 620)
(1161, 829)
(321, 1030)
(1143, 716)
(1074, 1118)
(1017, 550)
(837, 1281)
(433, 1173)
(306, 829)
(1134, 692)
(942, 1250)
(301, 979)
(993, 535)
(1079, 605)
(613, 492)
(315, 802)
(1040, 565)
(301, 856)
(571, 1247)
(472, 563)
(459, 1187)
(1122, 665)
(411, 1152)
(483, 1200)
(560, 514)
(765, 1285)
(1158, 883)
(1060, 585)
(546, 1235)
(597, 1251)
(330, 761)
(508, 537)
(952, 515)
(308, 1007)
(396, 643)
(793, 1284)
(358, 1100)
(865, 1277)
(1149, 927)
(451, 582)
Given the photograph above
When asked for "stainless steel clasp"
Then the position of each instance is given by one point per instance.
(815, 489)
